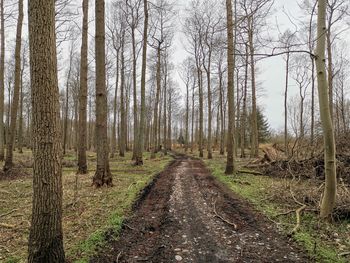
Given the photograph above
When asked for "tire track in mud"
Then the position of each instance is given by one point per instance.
(175, 221)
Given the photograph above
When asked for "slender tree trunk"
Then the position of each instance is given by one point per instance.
(210, 114)
(46, 237)
(139, 156)
(66, 119)
(222, 128)
(16, 91)
(192, 116)
(102, 175)
(230, 166)
(2, 81)
(134, 68)
(82, 144)
(201, 113)
(114, 125)
(20, 121)
(165, 105)
(255, 141)
(122, 138)
(244, 107)
(155, 114)
(286, 148)
(187, 116)
(329, 197)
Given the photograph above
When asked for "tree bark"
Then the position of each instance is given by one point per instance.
(16, 91)
(286, 148)
(122, 137)
(139, 156)
(155, 114)
(2, 82)
(102, 175)
(82, 145)
(46, 238)
(329, 197)
(230, 165)
(255, 141)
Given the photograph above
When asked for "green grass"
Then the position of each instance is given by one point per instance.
(86, 221)
(313, 235)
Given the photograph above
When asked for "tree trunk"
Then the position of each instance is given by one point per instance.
(46, 237)
(134, 68)
(155, 114)
(201, 132)
(230, 166)
(20, 121)
(329, 197)
(12, 130)
(114, 125)
(255, 141)
(139, 156)
(122, 138)
(2, 81)
(66, 119)
(82, 145)
(244, 106)
(286, 148)
(102, 175)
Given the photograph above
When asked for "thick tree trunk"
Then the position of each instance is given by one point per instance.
(230, 166)
(46, 238)
(16, 91)
(329, 197)
(82, 145)
(2, 81)
(192, 116)
(102, 175)
(140, 148)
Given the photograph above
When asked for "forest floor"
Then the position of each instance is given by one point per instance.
(87, 212)
(187, 215)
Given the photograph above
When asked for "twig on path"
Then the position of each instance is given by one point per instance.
(119, 254)
(297, 212)
(7, 225)
(130, 227)
(344, 254)
(249, 172)
(223, 219)
(8, 213)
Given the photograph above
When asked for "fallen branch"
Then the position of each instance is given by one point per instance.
(7, 225)
(298, 212)
(344, 254)
(249, 172)
(8, 213)
(223, 219)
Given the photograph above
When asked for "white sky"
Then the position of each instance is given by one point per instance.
(272, 70)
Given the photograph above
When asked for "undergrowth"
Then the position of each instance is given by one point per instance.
(324, 242)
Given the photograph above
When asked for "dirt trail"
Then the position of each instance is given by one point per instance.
(187, 216)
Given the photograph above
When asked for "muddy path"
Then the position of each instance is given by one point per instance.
(188, 216)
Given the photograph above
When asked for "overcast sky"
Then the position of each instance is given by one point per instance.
(272, 70)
